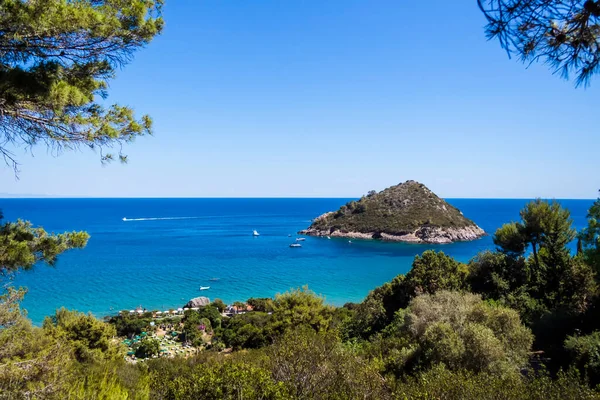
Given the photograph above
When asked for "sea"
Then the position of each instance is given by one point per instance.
(166, 249)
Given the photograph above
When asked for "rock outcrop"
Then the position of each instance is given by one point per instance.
(408, 212)
(197, 302)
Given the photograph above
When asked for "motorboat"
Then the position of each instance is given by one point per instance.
(255, 233)
(328, 237)
(300, 239)
(295, 245)
(124, 219)
(204, 287)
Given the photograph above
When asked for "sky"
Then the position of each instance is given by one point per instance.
(271, 98)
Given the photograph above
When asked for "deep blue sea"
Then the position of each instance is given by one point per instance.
(174, 246)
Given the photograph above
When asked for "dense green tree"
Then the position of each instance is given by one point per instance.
(585, 353)
(443, 383)
(130, 325)
(91, 339)
(301, 307)
(221, 380)
(219, 304)
(147, 347)
(495, 274)
(509, 240)
(245, 331)
(261, 304)
(32, 363)
(590, 237)
(56, 58)
(316, 365)
(462, 332)
(432, 271)
(561, 33)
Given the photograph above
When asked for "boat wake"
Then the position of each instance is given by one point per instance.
(157, 218)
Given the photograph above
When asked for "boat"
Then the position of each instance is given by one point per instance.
(124, 219)
(328, 237)
(300, 239)
(295, 245)
(204, 287)
(255, 233)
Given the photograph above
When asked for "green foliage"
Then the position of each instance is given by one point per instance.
(147, 347)
(261, 304)
(56, 59)
(590, 237)
(434, 271)
(32, 363)
(130, 325)
(585, 353)
(301, 307)
(397, 210)
(431, 272)
(461, 331)
(316, 366)
(562, 35)
(442, 383)
(228, 380)
(246, 331)
(219, 305)
(91, 339)
(22, 245)
(495, 274)
(510, 240)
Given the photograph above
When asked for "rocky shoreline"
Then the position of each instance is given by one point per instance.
(424, 234)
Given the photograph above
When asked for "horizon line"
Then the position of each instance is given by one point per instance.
(58, 197)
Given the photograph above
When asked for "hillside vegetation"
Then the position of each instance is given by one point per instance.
(398, 210)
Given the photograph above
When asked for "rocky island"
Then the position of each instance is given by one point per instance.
(408, 212)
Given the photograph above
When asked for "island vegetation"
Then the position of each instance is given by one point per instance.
(408, 212)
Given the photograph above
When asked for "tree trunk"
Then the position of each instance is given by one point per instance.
(535, 255)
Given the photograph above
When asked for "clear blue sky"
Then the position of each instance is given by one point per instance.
(331, 99)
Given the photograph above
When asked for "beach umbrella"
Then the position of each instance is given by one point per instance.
(159, 312)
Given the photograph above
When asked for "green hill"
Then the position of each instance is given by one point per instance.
(408, 212)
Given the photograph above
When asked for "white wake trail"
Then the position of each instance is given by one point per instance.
(157, 218)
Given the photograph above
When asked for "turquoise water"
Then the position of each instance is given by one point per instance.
(160, 262)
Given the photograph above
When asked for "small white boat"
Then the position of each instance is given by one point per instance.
(295, 245)
(255, 233)
(350, 241)
(300, 239)
(124, 219)
(328, 237)
(204, 287)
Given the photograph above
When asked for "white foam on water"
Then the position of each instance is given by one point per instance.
(157, 218)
